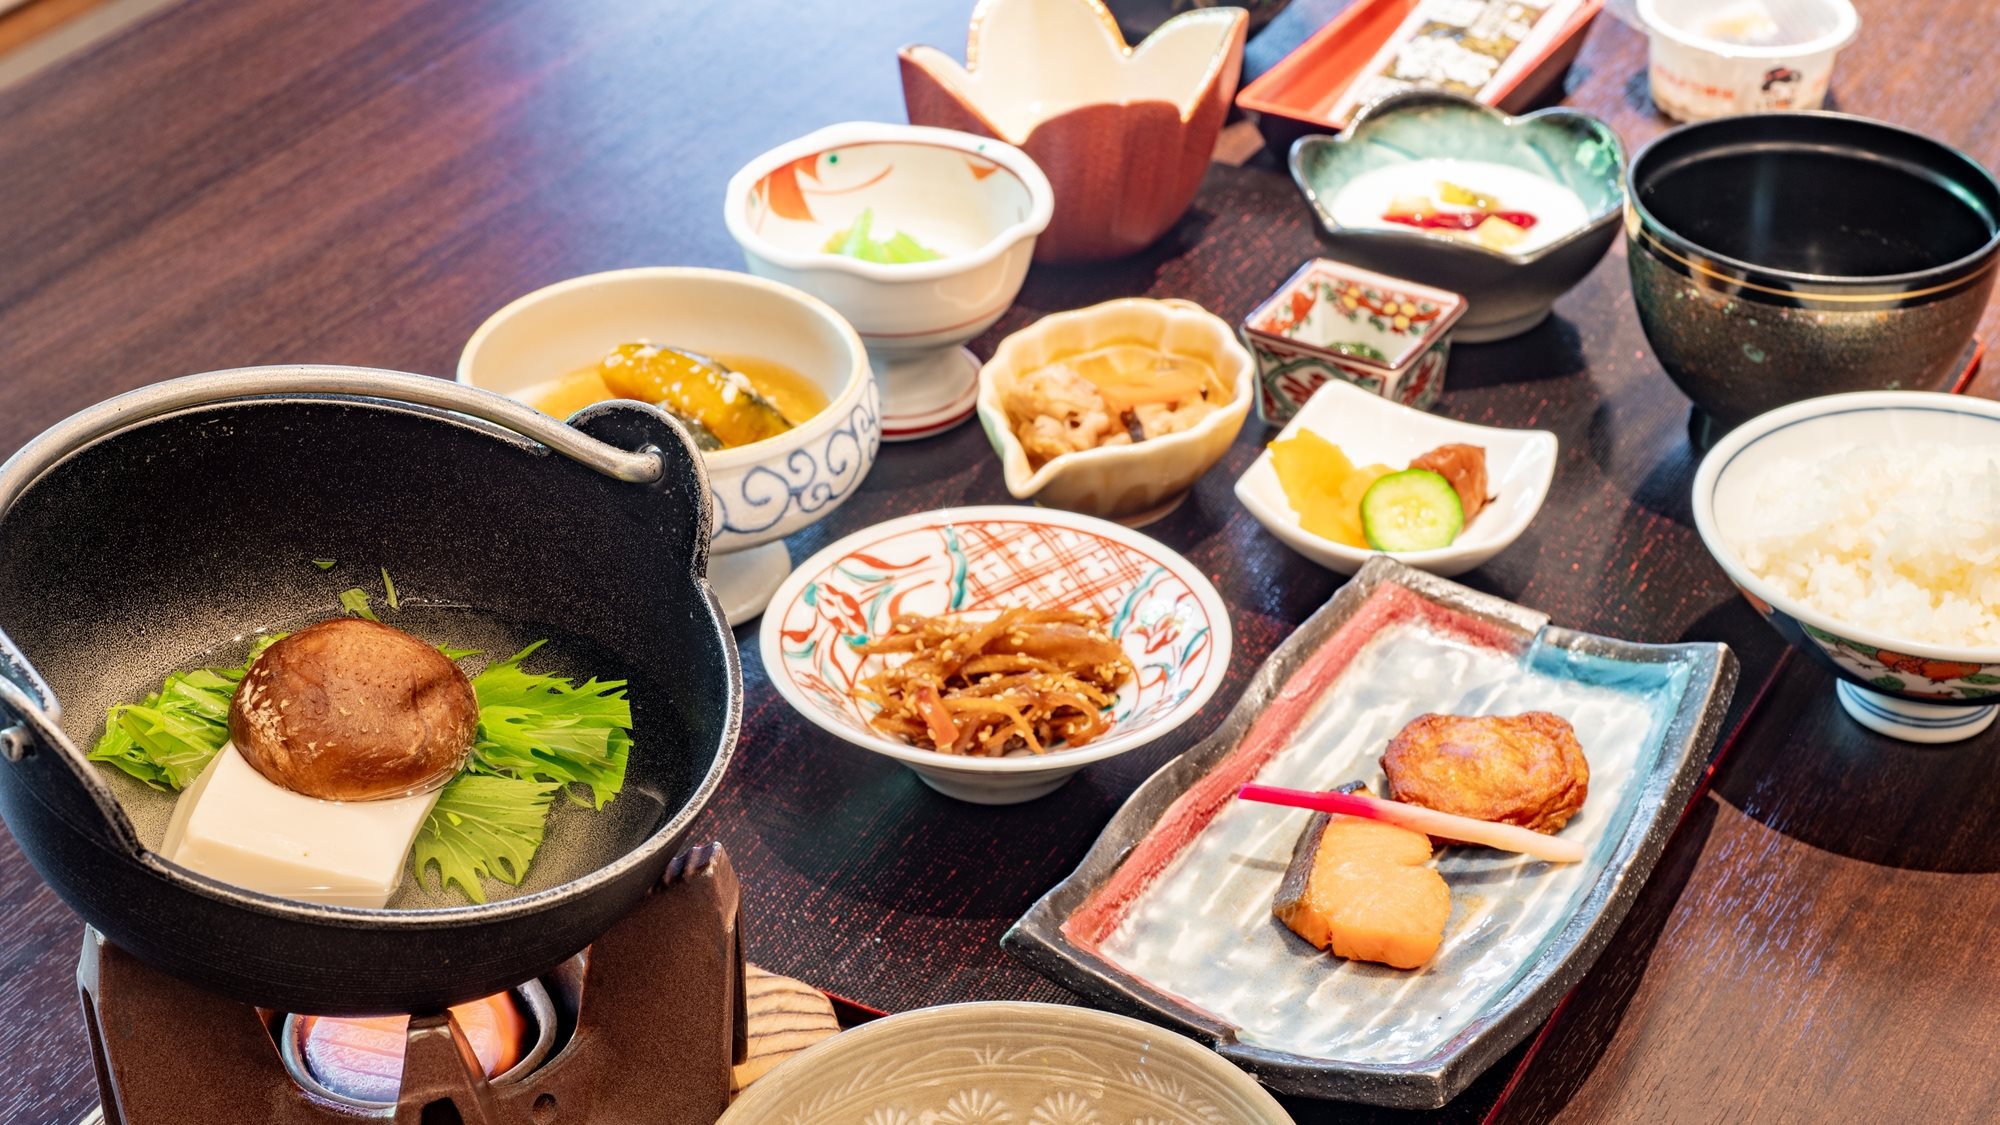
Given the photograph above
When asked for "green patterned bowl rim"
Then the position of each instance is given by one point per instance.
(1372, 117)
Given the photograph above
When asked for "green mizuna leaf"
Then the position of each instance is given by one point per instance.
(552, 729)
(168, 738)
(356, 602)
(482, 827)
(389, 588)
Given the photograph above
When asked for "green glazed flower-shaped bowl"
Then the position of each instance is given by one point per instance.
(1508, 293)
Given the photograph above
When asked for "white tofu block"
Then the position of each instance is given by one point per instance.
(235, 825)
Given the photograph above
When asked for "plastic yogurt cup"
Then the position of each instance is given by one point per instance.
(1712, 58)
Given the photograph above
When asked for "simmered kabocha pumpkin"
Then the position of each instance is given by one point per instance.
(718, 405)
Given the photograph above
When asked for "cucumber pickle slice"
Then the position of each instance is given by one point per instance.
(1414, 510)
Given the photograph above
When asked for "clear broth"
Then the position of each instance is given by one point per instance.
(578, 840)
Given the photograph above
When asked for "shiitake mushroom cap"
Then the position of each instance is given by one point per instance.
(353, 710)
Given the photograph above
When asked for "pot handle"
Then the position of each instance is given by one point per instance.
(14, 737)
(25, 701)
(642, 467)
(42, 761)
(20, 717)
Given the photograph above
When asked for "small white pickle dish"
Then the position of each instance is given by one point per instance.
(1369, 429)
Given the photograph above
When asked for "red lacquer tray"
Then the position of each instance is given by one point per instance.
(1292, 98)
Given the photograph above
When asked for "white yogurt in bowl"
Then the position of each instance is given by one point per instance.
(1363, 202)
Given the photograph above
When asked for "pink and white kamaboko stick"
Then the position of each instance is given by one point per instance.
(1449, 826)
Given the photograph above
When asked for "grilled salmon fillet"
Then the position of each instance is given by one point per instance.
(1366, 891)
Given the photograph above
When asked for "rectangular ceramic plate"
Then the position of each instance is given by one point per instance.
(1169, 916)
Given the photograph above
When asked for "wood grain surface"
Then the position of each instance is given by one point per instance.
(784, 1018)
(363, 182)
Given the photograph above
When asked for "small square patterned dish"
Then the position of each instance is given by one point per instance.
(1333, 321)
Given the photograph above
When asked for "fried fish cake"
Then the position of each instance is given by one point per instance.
(1514, 769)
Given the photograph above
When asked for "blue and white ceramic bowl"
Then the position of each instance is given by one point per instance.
(762, 492)
(1902, 688)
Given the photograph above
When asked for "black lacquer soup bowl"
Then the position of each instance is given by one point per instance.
(1782, 256)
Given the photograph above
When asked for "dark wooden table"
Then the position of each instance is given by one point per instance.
(362, 182)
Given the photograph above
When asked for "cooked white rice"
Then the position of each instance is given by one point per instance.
(1900, 541)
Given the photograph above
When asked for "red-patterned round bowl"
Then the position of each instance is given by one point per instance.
(1917, 690)
(1165, 613)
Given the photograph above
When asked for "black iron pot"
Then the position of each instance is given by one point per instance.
(152, 528)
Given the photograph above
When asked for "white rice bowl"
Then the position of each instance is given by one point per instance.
(1899, 540)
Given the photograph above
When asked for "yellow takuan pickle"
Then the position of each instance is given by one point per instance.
(1323, 486)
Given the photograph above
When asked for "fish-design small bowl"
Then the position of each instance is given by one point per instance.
(1124, 133)
(1507, 294)
(1905, 689)
(1133, 484)
(1779, 256)
(978, 202)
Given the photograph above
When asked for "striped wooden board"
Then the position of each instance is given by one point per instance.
(786, 1017)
